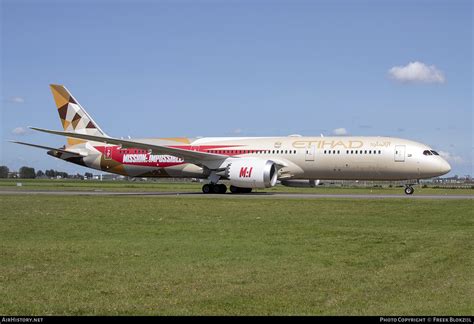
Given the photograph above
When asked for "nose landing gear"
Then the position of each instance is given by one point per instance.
(409, 190)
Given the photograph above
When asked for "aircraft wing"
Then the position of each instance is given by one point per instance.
(186, 155)
(49, 148)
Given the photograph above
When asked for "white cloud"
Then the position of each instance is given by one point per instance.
(16, 100)
(237, 131)
(20, 131)
(417, 72)
(451, 157)
(339, 131)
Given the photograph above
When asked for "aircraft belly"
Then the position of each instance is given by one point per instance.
(339, 169)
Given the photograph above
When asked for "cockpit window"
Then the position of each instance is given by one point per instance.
(434, 152)
(427, 152)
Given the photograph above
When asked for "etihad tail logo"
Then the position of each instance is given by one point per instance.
(73, 117)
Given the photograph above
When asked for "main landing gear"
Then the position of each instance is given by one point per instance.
(214, 188)
(409, 190)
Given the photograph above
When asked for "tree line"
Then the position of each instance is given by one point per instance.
(30, 173)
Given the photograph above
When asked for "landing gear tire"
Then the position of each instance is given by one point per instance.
(216, 189)
(409, 190)
(206, 188)
(219, 189)
(222, 188)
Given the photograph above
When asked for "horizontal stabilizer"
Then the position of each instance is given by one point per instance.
(49, 148)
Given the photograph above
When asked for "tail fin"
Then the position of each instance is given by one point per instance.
(73, 117)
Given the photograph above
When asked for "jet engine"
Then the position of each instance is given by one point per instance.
(252, 173)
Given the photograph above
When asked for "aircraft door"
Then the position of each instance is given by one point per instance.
(310, 152)
(399, 153)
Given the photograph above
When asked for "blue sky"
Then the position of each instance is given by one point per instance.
(240, 68)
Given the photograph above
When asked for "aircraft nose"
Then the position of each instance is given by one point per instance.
(444, 166)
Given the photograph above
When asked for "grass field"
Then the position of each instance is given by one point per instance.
(150, 186)
(185, 256)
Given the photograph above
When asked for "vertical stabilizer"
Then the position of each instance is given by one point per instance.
(73, 117)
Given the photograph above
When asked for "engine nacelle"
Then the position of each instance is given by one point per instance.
(252, 173)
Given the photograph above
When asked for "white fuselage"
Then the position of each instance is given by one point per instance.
(351, 158)
(335, 158)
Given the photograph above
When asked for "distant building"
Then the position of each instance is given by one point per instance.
(13, 174)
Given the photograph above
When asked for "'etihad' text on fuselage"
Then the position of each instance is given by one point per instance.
(328, 144)
(323, 144)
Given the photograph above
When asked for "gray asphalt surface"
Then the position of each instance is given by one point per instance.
(228, 195)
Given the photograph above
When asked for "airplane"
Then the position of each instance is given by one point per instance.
(245, 162)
